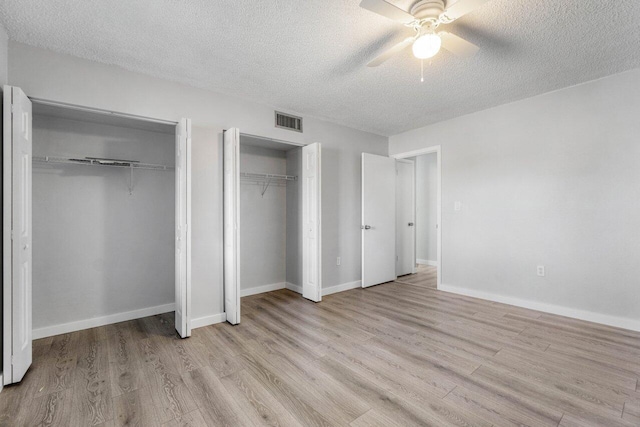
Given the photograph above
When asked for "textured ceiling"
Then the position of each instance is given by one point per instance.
(309, 56)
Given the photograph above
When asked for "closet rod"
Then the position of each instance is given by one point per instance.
(267, 176)
(93, 161)
(267, 179)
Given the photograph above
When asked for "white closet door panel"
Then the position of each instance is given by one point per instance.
(17, 214)
(378, 219)
(231, 169)
(183, 228)
(405, 218)
(311, 219)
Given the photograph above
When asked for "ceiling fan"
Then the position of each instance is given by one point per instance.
(425, 17)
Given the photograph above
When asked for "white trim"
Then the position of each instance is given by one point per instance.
(262, 289)
(590, 316)
(428, 150)
(341, 288)
(208, 320)
(1, 383)
(94, 322)
(427, 262)
(292, 287)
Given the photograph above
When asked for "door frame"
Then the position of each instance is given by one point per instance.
(7, 281)
(437, 149)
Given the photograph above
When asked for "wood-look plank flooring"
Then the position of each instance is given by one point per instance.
(397, 354)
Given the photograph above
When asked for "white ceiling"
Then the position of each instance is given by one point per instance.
(309, 56)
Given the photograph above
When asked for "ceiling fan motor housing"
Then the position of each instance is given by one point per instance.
(428, 10)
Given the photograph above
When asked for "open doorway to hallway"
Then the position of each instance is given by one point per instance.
(417, 224)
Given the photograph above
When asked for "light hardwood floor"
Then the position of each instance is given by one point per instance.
(397, 354)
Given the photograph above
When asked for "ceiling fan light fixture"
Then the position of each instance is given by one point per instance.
(427, 46)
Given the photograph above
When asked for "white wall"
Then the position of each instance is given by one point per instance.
(263, 222)
(294, 218)
(97, 250)
(551, 180)
(59, 77)
(426, 207)
(4, 57)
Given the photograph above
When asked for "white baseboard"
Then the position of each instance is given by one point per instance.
(427, 262)
(208, 320)
(341, 288)
(294, 288)
(262, 289)
(590, 316)
(94, 322)
(330, 290)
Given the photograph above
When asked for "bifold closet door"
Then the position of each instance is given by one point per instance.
(311, 219)
(183, 228)
(17, 235)
(231, 167)
(378, 219)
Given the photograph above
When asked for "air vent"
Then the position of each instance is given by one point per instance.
(287, 121)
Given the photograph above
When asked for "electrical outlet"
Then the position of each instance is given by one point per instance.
(338, 261)
(457, 206)
(540, 270)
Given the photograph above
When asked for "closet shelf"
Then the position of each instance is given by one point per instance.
(266, 179)
(96, 161)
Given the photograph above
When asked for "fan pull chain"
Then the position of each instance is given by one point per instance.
(422, 71)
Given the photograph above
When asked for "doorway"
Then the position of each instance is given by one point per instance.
(108, 237)
(426, 206)
(391, 214)
(272, 218)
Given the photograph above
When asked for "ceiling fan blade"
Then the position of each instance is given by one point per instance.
(389, 53)
(387, 10)
(457, 45)
(460, 8)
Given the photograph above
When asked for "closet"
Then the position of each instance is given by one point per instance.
(96, 213)
(103, 217)
(272, 218)
(269, 215)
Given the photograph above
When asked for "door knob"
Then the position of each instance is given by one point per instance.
(410, 224)
(366, 227)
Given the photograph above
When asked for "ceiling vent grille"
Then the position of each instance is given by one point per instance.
(287, 121)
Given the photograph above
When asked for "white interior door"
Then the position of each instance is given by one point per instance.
(378, 219)
(183, 228)
(17, 256)
(311, 219)
(232, 225)
(405, 218)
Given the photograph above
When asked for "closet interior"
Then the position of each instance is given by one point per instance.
(103, 218)
(270, 215)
